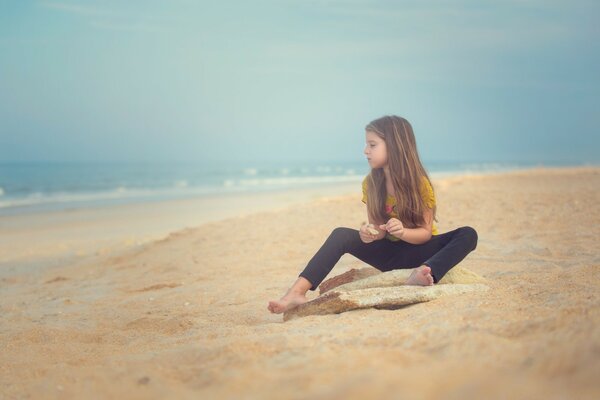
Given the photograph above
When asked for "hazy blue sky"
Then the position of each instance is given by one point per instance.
(297, 80)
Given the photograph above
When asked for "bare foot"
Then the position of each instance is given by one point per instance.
(287, 302)
(420, 276)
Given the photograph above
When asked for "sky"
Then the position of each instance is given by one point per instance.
(297, 81)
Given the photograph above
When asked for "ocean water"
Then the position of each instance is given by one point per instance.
(35, 187)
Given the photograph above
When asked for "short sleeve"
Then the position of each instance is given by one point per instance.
(364, 190)
(427, 193)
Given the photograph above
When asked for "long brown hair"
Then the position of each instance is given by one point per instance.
(406, 170)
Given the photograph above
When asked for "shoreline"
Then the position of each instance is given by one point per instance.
(68, 235)
(52, 206)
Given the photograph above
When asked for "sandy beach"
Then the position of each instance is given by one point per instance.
(171, 302)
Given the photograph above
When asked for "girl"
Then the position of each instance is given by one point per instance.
(401, 209)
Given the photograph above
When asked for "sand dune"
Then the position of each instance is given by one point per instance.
(186, 316)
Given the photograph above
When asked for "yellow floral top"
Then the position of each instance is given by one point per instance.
(390, 203)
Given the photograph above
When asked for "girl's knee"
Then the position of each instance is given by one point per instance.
(471, 235)
(343, 235)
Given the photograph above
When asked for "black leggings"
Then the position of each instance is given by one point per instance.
(440, 253)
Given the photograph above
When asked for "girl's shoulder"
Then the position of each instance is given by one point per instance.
(364, 189)
(426, 184)
(427, 192)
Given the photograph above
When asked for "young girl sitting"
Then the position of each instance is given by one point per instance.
(401, 210)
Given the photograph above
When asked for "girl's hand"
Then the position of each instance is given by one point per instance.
(394, 227)
(365, 235)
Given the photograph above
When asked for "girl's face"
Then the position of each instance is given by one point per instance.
(375, 150)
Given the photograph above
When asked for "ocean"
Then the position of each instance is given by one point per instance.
(38, 187)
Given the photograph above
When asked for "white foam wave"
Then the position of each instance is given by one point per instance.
(179, 189)
(298, 180)
(119, 193)
(323, 169)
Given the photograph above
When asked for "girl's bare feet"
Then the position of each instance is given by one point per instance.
(420, 276)
(287, 302)
(293, 297)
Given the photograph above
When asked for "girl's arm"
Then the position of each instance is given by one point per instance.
(418, 235)
(421, 234)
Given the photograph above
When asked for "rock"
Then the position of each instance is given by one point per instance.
(395, 277)
(368, 287)
(370, 277)
(335, 302)
(372, 230)
(349, 276)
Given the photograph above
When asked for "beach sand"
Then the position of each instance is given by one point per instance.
(185, 315)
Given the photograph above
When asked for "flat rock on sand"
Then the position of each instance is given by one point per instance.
(385, 290)
(335, 302)
(370, 277)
